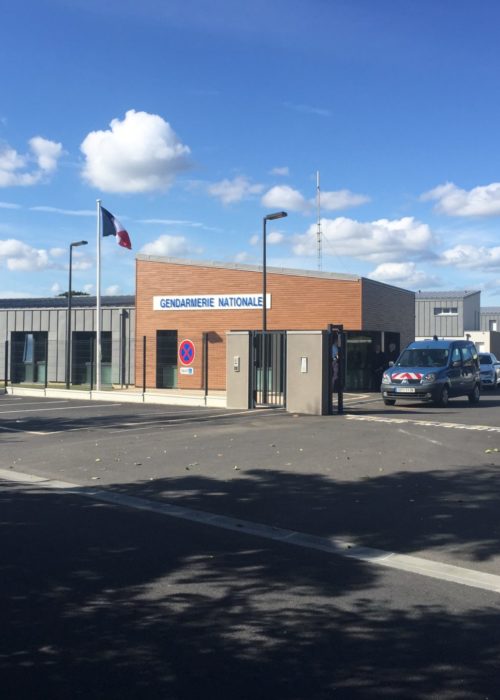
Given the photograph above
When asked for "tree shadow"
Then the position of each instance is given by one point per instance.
(404, 511)
(101, 602)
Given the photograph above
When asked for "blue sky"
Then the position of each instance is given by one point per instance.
(193, 119)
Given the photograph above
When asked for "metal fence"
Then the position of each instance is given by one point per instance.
(268, 365)
(33, 359)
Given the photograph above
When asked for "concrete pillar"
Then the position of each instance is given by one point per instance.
(238, 369)
(307, 372)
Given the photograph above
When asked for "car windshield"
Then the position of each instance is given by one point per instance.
(485, 360)
(423, 357)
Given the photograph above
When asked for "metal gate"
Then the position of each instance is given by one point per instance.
(268, 369)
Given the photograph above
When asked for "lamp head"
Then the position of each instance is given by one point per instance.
(276, 215)
(77, 243)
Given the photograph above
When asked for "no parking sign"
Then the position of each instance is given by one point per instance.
(186, 352)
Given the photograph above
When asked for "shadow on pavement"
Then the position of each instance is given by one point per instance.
(101, 602)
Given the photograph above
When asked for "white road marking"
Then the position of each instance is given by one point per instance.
(37, 403)
(331, 545)
(426, 423)
(68, 408)
(420, 437)
(139, 425)
(160, 420)
(28, 432)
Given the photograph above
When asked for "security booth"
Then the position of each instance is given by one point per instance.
(201, 305)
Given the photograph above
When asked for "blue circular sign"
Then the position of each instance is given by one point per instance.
(186, 352)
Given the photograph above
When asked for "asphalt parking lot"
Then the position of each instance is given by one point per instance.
(409, 479)
(175, 552)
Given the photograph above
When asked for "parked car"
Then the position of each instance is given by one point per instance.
(433, 371)
(490, 370)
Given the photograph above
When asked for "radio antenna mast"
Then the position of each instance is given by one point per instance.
(318, 233)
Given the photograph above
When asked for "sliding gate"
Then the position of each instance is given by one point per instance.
(268, 369)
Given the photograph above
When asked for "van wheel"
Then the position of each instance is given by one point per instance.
(389, 402)
(475, 396)
(444, 397)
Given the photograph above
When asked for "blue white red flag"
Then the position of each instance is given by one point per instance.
(112, 227)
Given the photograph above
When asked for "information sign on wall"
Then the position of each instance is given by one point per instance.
(211, 302)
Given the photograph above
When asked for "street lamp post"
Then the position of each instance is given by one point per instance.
(75, 244)
(269, 217)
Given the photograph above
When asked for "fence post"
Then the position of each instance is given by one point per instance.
(6, 363)
(46, 360)
(205, 363)
(91, 364)
(143, 364)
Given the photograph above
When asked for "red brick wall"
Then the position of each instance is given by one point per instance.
(297, 303)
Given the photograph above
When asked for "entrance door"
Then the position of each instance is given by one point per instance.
(268, 369)
(166, 359)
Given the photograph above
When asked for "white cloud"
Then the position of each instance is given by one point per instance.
(66, 212)
(170, 246)
(342, 199)
(59, 252)
(112, 290)
(275, 237)
(172, 222)
(472, 257)
(8, 205)
(453, 201)
(229, 191)
(18, 256)
(83, 263)
(142, 153)
(308, 109)
(241, 257)
(284, 197)
(282, 172)
(15, 168)
(403, 274)
(381, 241)
(47, 153)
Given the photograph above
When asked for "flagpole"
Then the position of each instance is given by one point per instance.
(98, 295)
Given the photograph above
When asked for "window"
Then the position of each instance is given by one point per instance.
(28, 348)
(467, 357)
(493, 325)
(456, 356)
(446, 311)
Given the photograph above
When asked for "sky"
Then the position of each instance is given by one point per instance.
(192, 119)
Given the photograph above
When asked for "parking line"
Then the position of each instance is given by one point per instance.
(330, 545)
(140, 425)
(425, 423)
(10, 429)
(68, 408)
(36, 403)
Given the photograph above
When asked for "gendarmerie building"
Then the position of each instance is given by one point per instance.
(185, 308)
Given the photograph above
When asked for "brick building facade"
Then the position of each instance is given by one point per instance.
(371, 312)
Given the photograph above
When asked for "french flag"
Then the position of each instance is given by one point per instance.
(112, 227)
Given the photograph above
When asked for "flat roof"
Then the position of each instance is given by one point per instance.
(249, 268)
(453, 294)
(490, 309)
(62, 302)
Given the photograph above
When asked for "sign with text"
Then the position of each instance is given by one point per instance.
(211, 302)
